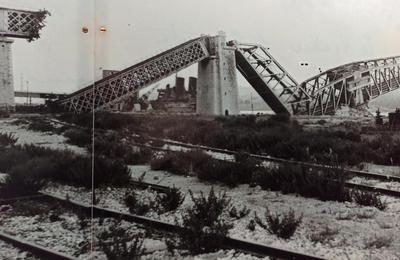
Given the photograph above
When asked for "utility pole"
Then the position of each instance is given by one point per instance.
(22, 82)
(27, 93)
(251, 102)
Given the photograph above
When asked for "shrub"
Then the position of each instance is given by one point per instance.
(103, 120)
(229, 173)
(366, 198)
(32, 208)
(64, 166)
(170, 162)
(171, 200)
(78, 137)
(277, 136)
(283, 226)
(115, 121)
(138, 156)
(40, 125)
(17, 155)
(205, 167)
(10, 157)
(19, 122)
(77, 170)
(211, 207)
(117, 244)
(216, 170)
(365, 214)
(181, 163)
(325, 185)
(112, 146)
(238, 121)
(7, 139)
(378, 242)
(106, 172)
(238, 214)
(204, 231)
(268, 179)
(40, 151)
(26, 179)
(138, 206)
(324, 235)
(251, 225)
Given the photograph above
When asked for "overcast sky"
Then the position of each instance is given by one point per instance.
(323, 33)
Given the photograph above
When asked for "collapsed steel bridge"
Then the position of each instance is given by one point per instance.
(352, 84)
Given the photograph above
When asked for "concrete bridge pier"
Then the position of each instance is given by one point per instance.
(217, 88)
(6, 75)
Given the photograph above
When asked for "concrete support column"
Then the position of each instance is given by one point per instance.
(217, 88)
(6, 75)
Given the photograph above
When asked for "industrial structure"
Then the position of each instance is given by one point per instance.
(15, 24)
(353, 84)
(177, 99)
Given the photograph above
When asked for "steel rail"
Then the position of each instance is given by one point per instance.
(37, 250)
(383, 191)
(393, 193)
(231, 243)
(11, 200)
(370, 175)
(377, 176)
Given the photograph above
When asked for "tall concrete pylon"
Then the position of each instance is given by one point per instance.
(6, 75)
(217, 87)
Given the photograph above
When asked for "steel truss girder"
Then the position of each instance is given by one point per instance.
(350, 83)
(20, 23)
(126, 83)
(272, 82)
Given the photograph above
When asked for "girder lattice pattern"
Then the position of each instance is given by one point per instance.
(124, 84)
(353, 84)
(21, 24)
(272, 82)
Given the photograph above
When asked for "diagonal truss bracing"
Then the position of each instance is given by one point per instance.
(353, 84)
(20, 23)
(271, 81)
(124, 84)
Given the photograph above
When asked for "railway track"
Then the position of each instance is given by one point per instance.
(241, 245)
(247, 247)
(365, 174)
(364, 187)
(36, 250)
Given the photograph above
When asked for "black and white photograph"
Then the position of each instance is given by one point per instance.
(204, 130)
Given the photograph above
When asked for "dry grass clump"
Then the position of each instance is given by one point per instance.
(283, 225)
(7, 139)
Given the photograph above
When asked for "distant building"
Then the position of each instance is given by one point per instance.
(107, 73)
(177, 99)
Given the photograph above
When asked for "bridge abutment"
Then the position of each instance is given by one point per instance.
(217, 88)
(6, 75)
